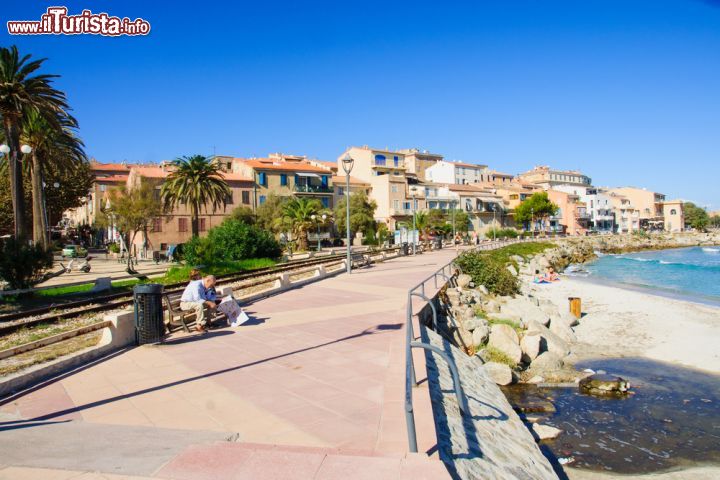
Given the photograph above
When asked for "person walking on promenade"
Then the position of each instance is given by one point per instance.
(197, 298)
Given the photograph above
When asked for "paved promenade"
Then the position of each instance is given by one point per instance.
(313, 388)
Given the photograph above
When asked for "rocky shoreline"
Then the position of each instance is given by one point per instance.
(529, 339)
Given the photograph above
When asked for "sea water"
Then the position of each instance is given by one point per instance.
(690, 273)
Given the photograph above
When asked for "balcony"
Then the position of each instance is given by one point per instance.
(401, 212)
(313, 189)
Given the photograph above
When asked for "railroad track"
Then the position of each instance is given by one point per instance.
(9, 323)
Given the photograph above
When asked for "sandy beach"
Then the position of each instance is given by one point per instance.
(619, 322)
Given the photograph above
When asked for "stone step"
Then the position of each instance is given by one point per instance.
(229, 461)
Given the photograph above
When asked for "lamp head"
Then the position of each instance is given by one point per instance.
(313, 216)
(4, 149)
(26, 149)
(324, 216)
(347, 163)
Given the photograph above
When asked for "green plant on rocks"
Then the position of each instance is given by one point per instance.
(492, 354)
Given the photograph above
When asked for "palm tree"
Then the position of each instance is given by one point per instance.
(422, 224)
(197, 182)
(21, 92)
(51, 148)
(297, 215)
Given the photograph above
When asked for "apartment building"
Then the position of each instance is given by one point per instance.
(547, 178)
(386, 173)
(107, 176)
(648, 204)
(175, 226)
(572, 217)
(598, 204)
(457, 172)
(286, 175)
(627, 215)
(418, 161)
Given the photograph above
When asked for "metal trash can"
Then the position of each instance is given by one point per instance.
(149, 325)
(438, 243)
(405, 250)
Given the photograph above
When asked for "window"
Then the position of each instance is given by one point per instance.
(394, 188)
(202, 226)
(229, 199)
(325, 202)
(380, 160)
(246, 197)
(324, 181)
(396, 204)
(341, 191)
(163, 246)
(396, 161)
(406, 205)
(673, 212)
(283, 179)
(103, 188)
(262, 179)
(182, 225)
(262, 199)
(157, 225)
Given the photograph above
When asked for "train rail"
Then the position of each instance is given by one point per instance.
(17, 320)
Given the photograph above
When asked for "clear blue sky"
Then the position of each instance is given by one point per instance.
(628, 91)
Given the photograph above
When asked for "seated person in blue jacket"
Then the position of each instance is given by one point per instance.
(199, 296)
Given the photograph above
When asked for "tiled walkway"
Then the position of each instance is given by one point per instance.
(321, 367)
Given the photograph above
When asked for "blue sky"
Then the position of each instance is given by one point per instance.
(627, 91)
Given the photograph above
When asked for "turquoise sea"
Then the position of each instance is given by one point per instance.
(688, 273)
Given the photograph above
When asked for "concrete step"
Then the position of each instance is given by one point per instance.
(235, 461)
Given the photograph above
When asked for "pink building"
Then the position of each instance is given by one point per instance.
(572, 218)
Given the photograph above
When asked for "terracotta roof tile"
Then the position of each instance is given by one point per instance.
(281, 165)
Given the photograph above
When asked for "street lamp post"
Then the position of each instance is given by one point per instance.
(317, 221)
(494, 208)
(347, 164)
(452, 207)
(532, 221)
(412, 194)
(5, 150)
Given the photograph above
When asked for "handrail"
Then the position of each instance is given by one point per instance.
(448, 273)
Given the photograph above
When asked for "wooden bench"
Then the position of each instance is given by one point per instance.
(174, 311)
(360, 259)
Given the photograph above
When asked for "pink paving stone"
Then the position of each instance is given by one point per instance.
(207, 462)
(345, 467)
(280, 465)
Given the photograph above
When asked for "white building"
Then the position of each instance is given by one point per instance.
(599, 205)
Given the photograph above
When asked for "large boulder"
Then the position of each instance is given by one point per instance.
(559, 328)
(482, 289)
(569, 319)
(480, 335)
(545, 363)
(512, 270)
(474, 323)
(526, 310)
(544, 432)
(499, 373)
(463, 338)
(549, 341)
(505, 339)
(491, 306)
(463, 280)
(530, 346)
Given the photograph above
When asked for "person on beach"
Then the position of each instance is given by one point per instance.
(539, 278)
(551, 276)
(196, 298)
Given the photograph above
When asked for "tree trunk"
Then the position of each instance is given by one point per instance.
(194, 221)
(38, 203)
(129, 244)
(303, 240)
(12, 132)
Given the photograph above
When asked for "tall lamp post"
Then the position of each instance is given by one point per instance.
(532, 221)
(317, 221)
(494, 208)
(5, 150)
(414, 209)
(347, 164)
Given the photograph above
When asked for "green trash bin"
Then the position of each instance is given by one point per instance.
(149, 325)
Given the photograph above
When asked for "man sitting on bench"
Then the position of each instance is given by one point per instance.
(197, 298)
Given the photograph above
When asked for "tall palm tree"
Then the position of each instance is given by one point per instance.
(53, 148)
(20, 92)
(422, 224)
(197, 182)
(297, 214)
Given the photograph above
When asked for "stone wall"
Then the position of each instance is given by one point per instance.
(490, 442)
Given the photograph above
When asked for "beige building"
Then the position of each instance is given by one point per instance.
(648, 204)
(386, 173)
(547, 178)
(673, 216)
(286, 175)
(627, 215)
(418, 161)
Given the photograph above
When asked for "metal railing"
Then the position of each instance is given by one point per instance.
(448, 274)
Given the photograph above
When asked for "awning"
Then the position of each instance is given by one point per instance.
(304, 174)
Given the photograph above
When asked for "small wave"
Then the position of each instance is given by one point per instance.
(638, 259)
(711, 250)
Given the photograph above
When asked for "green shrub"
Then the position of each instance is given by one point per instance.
(22, 265)
(492, 354)
(232, 240)
(488, 271)
(114, 248)
(501, 233)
